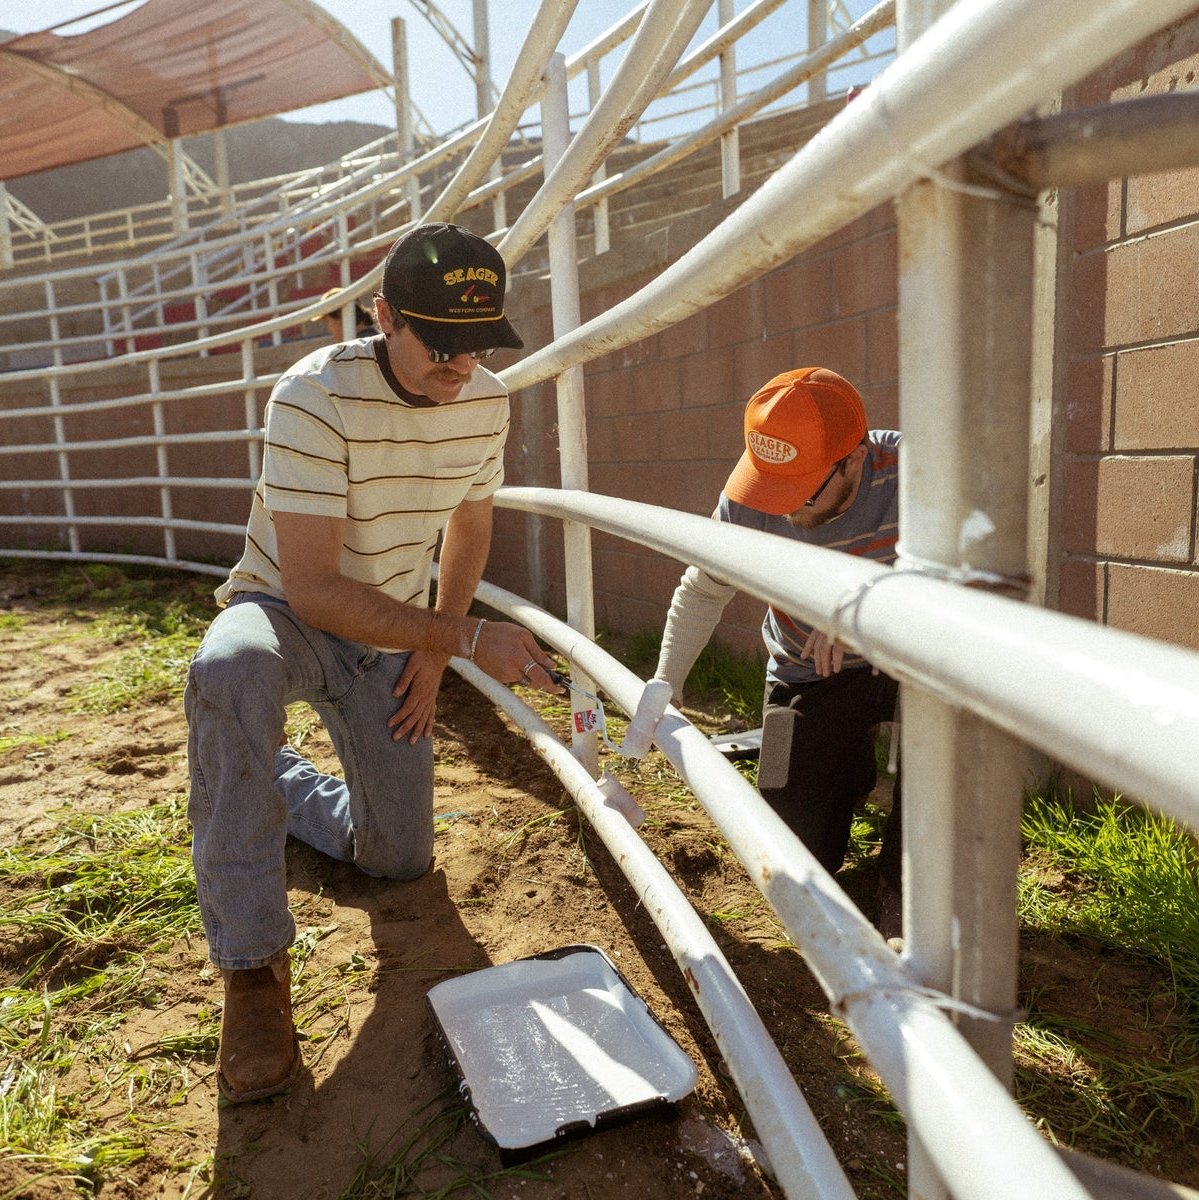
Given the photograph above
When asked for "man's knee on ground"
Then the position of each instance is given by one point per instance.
(397, 862)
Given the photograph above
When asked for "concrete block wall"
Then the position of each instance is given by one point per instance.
(664, 416)
(1124, 518)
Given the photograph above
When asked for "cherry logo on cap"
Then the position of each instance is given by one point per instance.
(769, 449)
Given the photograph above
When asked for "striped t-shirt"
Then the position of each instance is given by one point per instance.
(869, 527)
(344, 439)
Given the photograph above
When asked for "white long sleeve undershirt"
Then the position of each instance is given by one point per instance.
(698, 603)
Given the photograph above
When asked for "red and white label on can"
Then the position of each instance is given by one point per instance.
(586, 720)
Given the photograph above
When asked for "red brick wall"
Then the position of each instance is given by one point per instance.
(1123, 517)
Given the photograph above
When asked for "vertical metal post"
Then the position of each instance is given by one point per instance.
(499, 206)
(599, 211)
(52, 314)
(164, 470)
(6, 252)
(1048, 425)
(405, 138)
(250, 408)
(482, 59)
(177, 184)
(965, 304)
(817, 36)
(105, 316)
(159, 308)
(572, 415)
(200, 293)
(126, 310)
(220, 161)
(730, 143)
(64, 465)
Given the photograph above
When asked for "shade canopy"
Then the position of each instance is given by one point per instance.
(170, 68)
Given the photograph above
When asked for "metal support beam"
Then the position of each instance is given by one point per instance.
(6, 254)
(730, 143)
(1090, 145)
(817, 35)
(405, 135)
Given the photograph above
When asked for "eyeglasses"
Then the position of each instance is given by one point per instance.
(827, 480)
(440, 356)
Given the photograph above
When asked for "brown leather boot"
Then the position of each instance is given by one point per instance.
(260, 1054)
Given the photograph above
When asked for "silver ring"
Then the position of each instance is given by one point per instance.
(524, 671)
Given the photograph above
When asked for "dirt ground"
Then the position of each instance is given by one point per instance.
(515, 874)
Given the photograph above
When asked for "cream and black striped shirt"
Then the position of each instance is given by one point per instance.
(344, 439)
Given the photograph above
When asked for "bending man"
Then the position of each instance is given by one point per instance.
(812, 472)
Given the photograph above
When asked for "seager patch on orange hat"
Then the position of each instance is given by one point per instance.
(796, 427)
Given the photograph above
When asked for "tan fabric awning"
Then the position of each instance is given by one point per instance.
(170, 68)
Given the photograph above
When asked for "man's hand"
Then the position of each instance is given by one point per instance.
(825, 654)
(418, 684)
(510, 653)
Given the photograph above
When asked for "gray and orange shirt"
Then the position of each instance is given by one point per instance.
(868, 528)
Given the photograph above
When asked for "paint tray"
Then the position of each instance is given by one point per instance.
(555, 1045)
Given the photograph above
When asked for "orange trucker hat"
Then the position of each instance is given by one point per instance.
(796, 427)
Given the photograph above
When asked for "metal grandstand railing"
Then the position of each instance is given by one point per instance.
(980, 672)
(279, 227)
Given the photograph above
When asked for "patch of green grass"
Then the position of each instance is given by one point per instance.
(866, 833)
(732, 679)
(80, 905)
(153, 667)
(425, 1142)
(155, 619)
(12, 620)
(1118, 1105)
(1135, 877)
(1127, 880)
(87, 913)
(35, 741)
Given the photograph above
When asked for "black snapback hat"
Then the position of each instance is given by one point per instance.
(448, 284)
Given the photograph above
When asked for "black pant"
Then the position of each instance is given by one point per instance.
(817, 761)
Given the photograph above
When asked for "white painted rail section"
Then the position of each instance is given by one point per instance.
(973, 1130)
(1118, 707)
(799, 1154)
(976, 70)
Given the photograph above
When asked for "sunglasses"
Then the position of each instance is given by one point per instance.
(438, 357)
(827, 480)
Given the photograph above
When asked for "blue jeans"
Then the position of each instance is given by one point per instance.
(248, 794)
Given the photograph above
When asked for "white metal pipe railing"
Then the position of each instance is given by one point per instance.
(572, 410)
(879, 17)
(976, 70)
(1018, 667)
(799, 1154)
(974, 1131)
(205, 345)
(159, 273)
(114, 521)
(660, 39)
(965, 322)
(545, 31)
(1007, 665)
